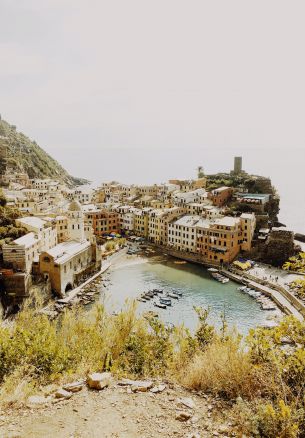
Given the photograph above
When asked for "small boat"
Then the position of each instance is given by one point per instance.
(158, 291)
(253, 293)
(160, 305)
(166, 301)
(177, 292)
(142, 300)
(220, 278)
(145, 297)
(268, 306)
(173, 295)
(212, 270)
(181, 262)
(149, 294)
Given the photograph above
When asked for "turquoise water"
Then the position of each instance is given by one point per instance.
(198, 288)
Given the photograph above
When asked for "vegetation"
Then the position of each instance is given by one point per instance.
(24, 155)
(113, 244)
(8, 230)
(262, 381)
(299, 287)
(296, 263)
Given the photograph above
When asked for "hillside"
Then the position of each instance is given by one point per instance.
(20, 154)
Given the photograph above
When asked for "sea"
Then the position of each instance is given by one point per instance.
(198, 288)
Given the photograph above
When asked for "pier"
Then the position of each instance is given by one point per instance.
(284, 299)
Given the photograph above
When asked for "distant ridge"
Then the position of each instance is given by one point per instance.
(20, 154)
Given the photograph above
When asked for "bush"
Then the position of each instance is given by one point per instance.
(224, 369)
(267, 380)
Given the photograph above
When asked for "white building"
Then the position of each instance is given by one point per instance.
(182, 233)
(22, 252)
(76, 222)
(68, 262)
(84, 195)
(45, 231)
(183, 198)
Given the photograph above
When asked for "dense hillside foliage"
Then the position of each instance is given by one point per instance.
(24, 155)
(8, 229)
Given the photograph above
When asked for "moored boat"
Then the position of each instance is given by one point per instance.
(159, 304)
(166, 301)
(173, 295)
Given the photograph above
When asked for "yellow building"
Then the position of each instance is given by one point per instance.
(141, 222)
(248, 224)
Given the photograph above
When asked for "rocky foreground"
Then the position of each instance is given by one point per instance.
(106, 408)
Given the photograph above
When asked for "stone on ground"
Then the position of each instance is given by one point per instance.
(187, 401)
(183, 416)
(37, 400)
(99, 380)
(62, 393)
(157, 389)
(74, 386)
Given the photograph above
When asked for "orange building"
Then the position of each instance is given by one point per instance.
(221, 241)
(221, 195)
(103, 221)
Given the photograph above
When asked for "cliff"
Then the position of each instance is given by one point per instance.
(18, 153)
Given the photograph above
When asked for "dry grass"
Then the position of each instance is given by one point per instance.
(223, 369)
(36, 353)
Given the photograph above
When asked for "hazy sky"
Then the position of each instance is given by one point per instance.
(107, 77)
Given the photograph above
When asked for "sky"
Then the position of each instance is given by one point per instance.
(144, 90)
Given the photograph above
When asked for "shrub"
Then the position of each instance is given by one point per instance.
(223, 368)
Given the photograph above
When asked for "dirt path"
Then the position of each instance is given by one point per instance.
(115, 412)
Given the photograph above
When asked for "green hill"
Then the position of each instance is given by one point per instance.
(20, 154)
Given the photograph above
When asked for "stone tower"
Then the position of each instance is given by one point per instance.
(238, 165)
(76, 226)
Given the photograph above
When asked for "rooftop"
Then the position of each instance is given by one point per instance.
(27, 240)
(192, 221)
(32, 221)
(66, 250)
(221, 189)
(247, 216)
(227, 221)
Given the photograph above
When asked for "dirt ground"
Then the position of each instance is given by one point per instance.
(115, 412)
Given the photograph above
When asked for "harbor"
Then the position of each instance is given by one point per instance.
(169, 290)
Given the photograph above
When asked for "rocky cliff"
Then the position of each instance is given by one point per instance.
(18, 153)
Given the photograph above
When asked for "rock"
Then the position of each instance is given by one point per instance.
(183, 416)
(37, 400)
(187, 401)
(62, 393)
(224, 429)
(157, 389)
(74, 386)
(99, 380)
(137, 385)
(139, 388)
